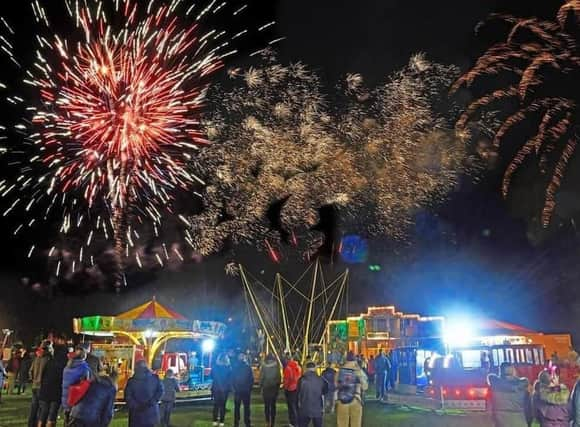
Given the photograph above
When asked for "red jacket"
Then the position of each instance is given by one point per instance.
(292, 374)
(371, 366)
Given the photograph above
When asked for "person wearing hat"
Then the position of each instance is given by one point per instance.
(76, 370)
(551, 403)
(510, 398)
(311, 389)
(351, 383)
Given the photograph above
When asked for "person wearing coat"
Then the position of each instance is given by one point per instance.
(170, 387)
(242, 382)
(3, 374)
(23, 374)
(142, 394)
(371, 369)
(292, 373)
(13, 369)
(510, 398)
(551, 404)
(96, 408)
(43, 354)
(50, 393)
(382, 369)
(221, 386)
(349, 414)
(270, 380)
(311, 389)
(75, 371)
(575, 405)
(329, 375)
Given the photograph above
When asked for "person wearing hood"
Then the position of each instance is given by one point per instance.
(142, 394)
(221, 386)
(292, 374)
(96, 408)
(510, 398)
(351, 384)
(50, 392)
(75, 371)
(311, 389)
(270, 380)
(93, 361)
(550, 402)
(242, 382)
(36, 372)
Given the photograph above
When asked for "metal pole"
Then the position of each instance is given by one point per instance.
(283, 309)
(338, 297)
(309, 317)
(256, 308)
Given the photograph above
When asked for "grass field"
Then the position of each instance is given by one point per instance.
(14, 413)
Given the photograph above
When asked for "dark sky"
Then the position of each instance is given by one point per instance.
(476, 253)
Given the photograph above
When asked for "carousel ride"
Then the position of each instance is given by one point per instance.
(142, 333)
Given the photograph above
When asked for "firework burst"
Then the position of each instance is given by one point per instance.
(282, 154)
(117, 124)
(540, 62)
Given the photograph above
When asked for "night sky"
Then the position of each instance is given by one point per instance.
(476, 253)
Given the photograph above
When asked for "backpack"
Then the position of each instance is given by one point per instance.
(347, 381)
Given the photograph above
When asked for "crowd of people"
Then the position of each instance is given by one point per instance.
(69, 380)
(551, 403)
(72, 380)
(308, 395)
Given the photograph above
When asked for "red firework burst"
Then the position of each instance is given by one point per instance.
(117, 129)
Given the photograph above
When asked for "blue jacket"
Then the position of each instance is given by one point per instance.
(96, 408)
(75, 371)
(142, 394)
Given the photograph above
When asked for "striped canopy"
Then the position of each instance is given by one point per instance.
(150, 310)
(149, 317)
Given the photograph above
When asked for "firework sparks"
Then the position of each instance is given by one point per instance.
(281, 155)
(117, 124)
(541, 61)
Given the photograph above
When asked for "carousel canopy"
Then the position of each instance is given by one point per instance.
(149, 318)
(150, 310)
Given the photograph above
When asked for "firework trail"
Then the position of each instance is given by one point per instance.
(117, 123)
(540, 60)
(281, 154)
